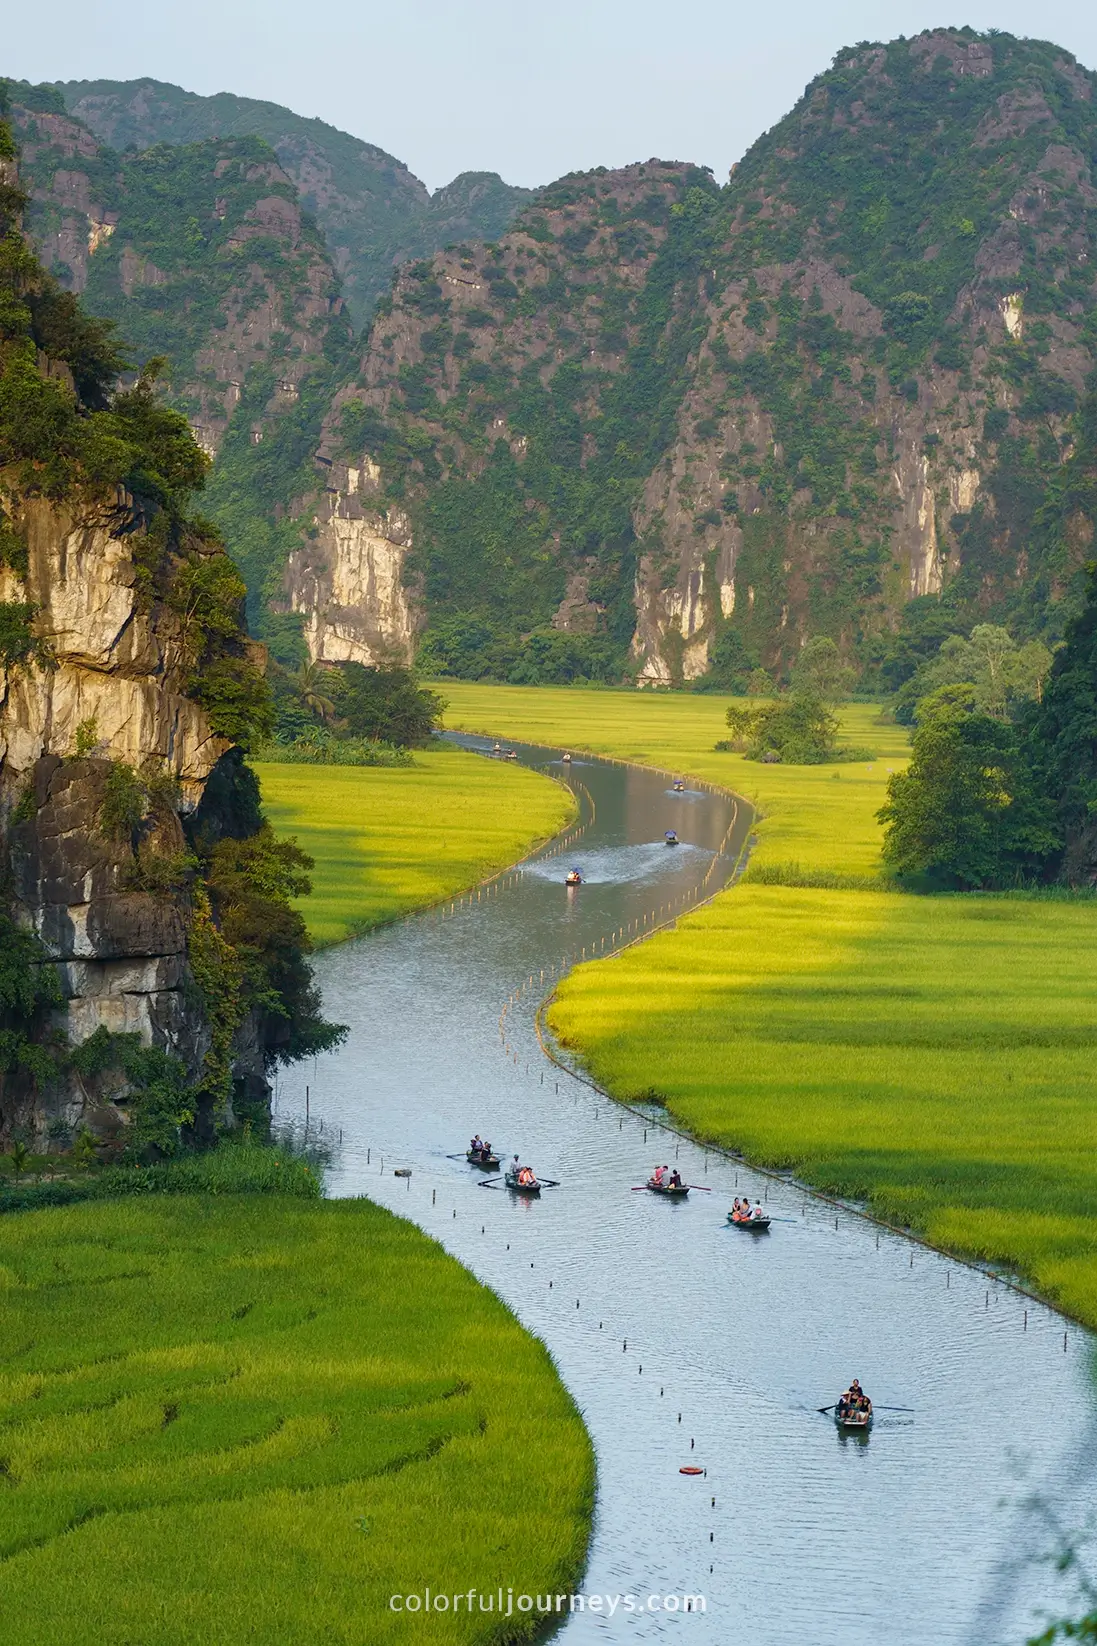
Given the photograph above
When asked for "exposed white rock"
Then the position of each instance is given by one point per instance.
(963, 490)
(348, 585)
(1012, 311)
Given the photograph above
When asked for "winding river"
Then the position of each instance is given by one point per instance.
(683, 1341)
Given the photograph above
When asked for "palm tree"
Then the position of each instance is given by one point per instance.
(310, 680)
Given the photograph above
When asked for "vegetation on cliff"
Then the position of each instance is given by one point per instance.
(372, 212)
(120, 457)
(721, 420)
(789, 404)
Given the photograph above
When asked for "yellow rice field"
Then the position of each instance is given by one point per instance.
(387, 840)
(256, 1418)
(933, 1056)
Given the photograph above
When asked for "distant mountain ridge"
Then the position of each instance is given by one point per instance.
(373, 212)
(638, 422)
(728, 419)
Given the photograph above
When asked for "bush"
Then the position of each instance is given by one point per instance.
(797, 730)
(385, 705)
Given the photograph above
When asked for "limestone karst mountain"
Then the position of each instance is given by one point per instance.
(709, 421)
(371, 210)
(152, 967)
(656, 424)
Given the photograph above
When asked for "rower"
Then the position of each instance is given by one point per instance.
(516, 1167)
(757, 1212)
(675, 1180)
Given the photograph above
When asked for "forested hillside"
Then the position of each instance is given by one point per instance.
(657, 426)
(372, 211)
(790, 406)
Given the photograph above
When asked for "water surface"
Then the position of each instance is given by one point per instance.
(685, 1341)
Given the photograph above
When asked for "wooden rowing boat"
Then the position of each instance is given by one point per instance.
(854, 1422)
(754, 1225)
(676, 1192)
(478, 1157)
(522, 1188)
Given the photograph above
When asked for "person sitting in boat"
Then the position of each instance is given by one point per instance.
(757, 1214)
(658, 1175)
(737, 1211)
(525, 1176)
(675, 1180)
(477, 1145)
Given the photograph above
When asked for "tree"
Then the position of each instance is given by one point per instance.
(1062, 735)
(966, 814)
(798, 730)
(312, 681)
(1005, 676)
(386, 705)
(821, 671)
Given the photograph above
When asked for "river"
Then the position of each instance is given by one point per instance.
(686, 1342)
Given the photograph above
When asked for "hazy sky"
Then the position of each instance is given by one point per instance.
(531, 92)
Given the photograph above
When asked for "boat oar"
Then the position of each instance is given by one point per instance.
(895, 1408)
(702, 1188)
(549, 1182)
(825, 1409)
(486, 1182)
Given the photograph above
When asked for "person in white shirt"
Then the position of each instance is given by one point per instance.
(757, 1212)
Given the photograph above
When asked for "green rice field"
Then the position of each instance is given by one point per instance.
(255, 1418)
(934, 1057)
(819, 817)
(388, 840)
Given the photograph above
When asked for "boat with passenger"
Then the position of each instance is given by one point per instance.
(574, 877)
(671, 837)
(743, 1216)
(678, 786)
(480, 1153)
(667, 1182)
(522, 1179)
(853, 1410)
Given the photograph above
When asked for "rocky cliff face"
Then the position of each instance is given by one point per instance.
(112, 692)
(347, 582)
(781, 408)
(374, 214)
(228, 280)
(460, 442)
(118, 661)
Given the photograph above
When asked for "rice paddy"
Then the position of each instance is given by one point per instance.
(388, 840)
(815, 817)
(933, 1057)
(256, 1418)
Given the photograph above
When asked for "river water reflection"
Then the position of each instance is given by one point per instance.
(814, 1540)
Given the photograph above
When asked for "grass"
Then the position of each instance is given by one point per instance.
(819, 817)
(390, 840)
(932, 1056)
(236, 1167)
(254, 1418)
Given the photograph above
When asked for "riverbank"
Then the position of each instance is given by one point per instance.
(930, 1056)
(257, 1417)
(389, 840)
